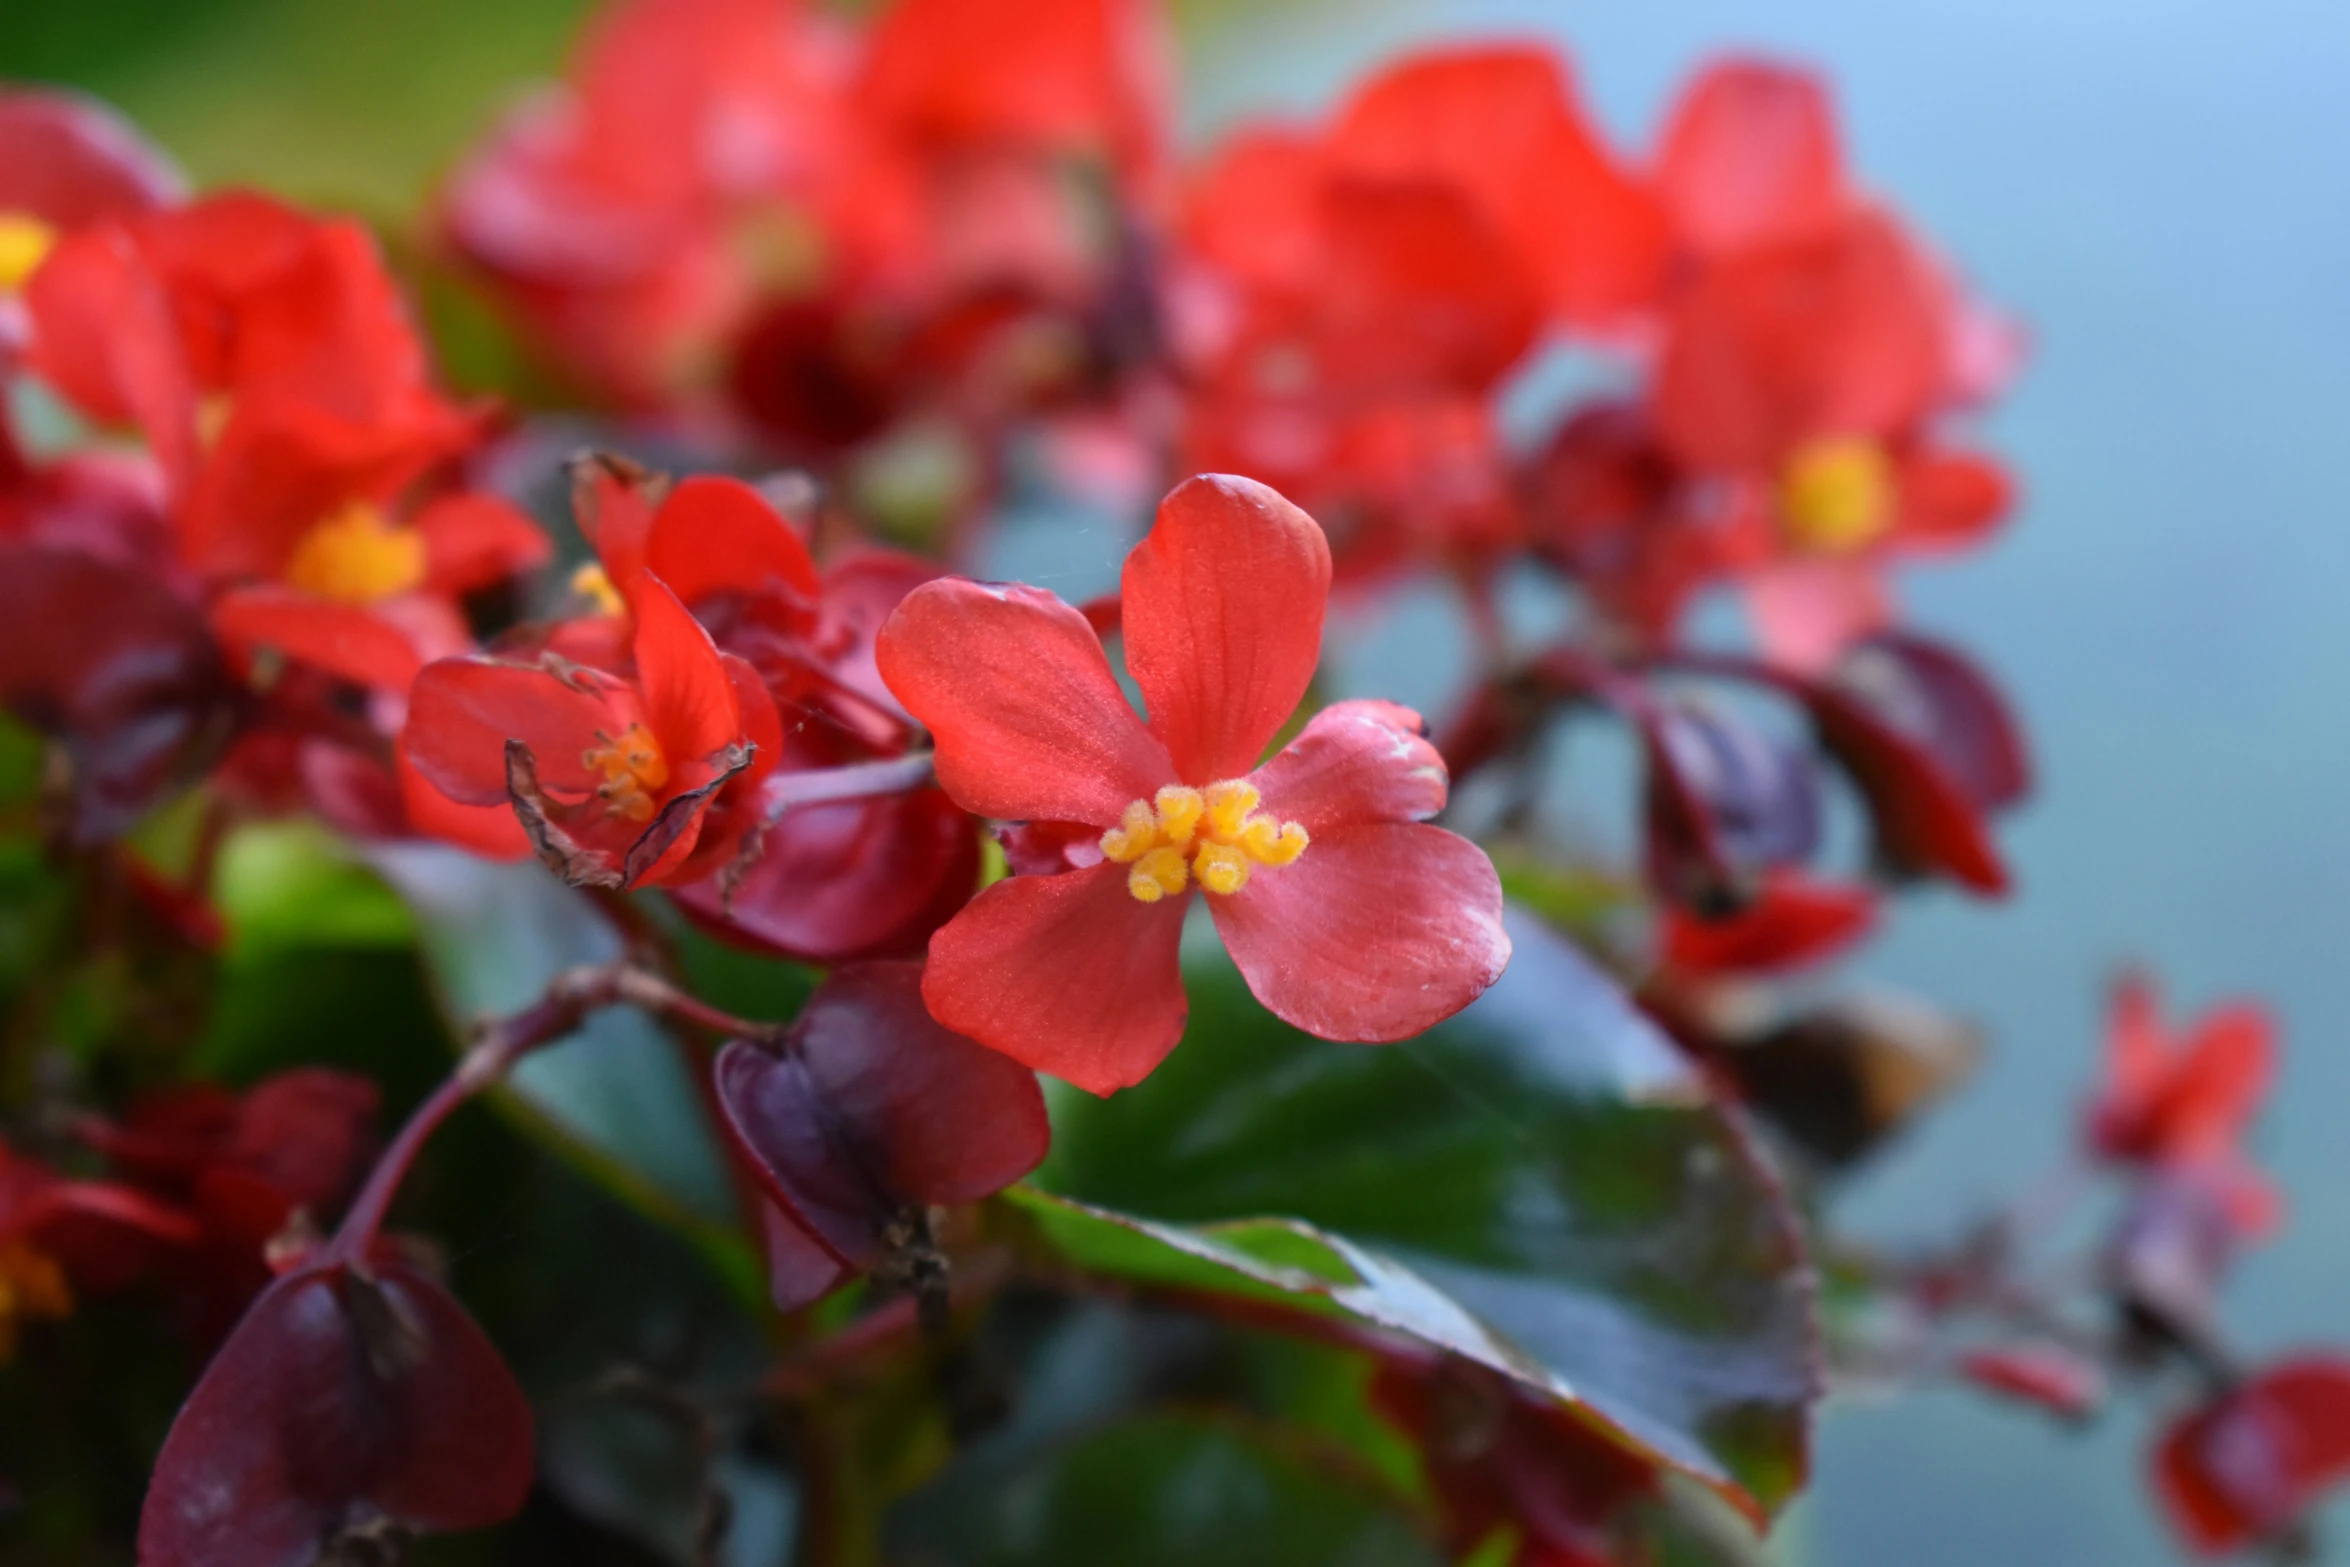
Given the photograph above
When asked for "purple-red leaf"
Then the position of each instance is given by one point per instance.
(344, 1400)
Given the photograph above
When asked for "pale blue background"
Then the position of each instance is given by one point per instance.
(2159, 189)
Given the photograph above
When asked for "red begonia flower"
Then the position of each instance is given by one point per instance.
(615, 778)
(346, 1398)
(1347, 916)
(865, 1112)
(60, 1237)
(2185, 1103)
(2251, 1463)
(1500, 123)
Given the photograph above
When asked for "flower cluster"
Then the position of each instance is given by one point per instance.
(869, 286)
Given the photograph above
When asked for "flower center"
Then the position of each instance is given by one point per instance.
(356, 556)
(634, 771)
(592, 583)
(1216, 834)
(1836, 494)
(25, 242)
(31, 1285)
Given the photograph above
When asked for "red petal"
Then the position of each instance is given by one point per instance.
(1846, 335)
(1808, 610)
(1500, 123)
(462, 711)
(1951, 500)
(490, 831)
(612, 501)
(1223, 604)
(849, 879)
(2218, 1082)
(334, 1395)
(1750, 157)
(473, 541)
(1254, 210)
(1355, 762)
(69, 160)
(2253, 1462)
(1021, 704)
(1375, 933)
(1792, 923)
(689, 701)
(103, 337)
(2056, 1378)
(716, 534)
(350, 641)
(1069, 974)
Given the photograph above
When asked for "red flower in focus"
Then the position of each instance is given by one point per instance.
(2183, 1103)
(863, 1115)
(1347, 916)
(823, 881)
(1498, 1461)
(2249, 1465)
(618, 780)
(1809, 346)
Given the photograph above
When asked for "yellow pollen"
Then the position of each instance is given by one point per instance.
(357, 556)
(25, 242)
(1215, 834)
(591, 583)
(31, 1285)
(634, 771)
(1836, 494)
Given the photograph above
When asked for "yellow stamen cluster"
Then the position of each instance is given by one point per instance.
(1836, 494)
(25, 242)
(357, 556)
(31, 1285)
(634, 771)
(1216, 834)
(591, 582)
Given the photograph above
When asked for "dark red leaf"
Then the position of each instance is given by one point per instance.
(343, 1398)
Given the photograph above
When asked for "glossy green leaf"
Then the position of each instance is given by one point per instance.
(1543, 1186)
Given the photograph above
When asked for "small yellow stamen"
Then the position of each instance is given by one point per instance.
(25, 242)
(1836, 494)
(357, 556)
(591, 583)
(1215, 834)
(1156, 875)
(31, 1285)
(634, 770)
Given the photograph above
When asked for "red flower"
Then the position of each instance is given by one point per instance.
(59, 1237)
(616, 779)
(2184, 1102)
(2250, 1464)
(1347, 916)
(1808, 348)
(824, 881)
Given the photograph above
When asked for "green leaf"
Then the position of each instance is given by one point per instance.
(1543, 1186)
(294, 884)
(618, 1095)
(1171, 1490)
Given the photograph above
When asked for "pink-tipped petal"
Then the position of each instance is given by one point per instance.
(1223, 606)
(1068, 974)
(1376, 933)
(1028, 720)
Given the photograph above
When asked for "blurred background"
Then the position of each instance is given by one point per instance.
(2156, 190)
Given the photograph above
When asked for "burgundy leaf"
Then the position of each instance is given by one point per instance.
(104, 658)
(343, 1399)
(1722, 797)
(1930, 693)
(867, 1108)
